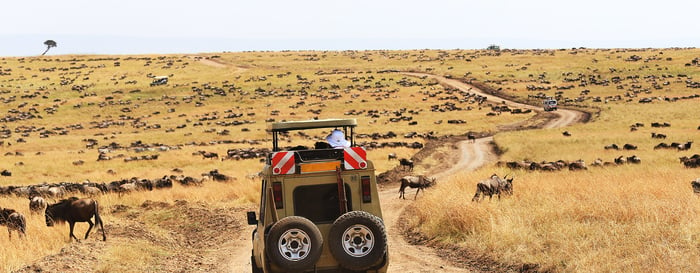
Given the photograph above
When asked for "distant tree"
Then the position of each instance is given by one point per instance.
(494, 47)
(49, 44)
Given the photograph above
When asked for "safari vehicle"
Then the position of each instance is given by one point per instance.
(549, 104)
(319, 208)
(159, 80)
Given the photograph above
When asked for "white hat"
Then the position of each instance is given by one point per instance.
(337, 139)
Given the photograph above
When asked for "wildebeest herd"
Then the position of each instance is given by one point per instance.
(74, 209)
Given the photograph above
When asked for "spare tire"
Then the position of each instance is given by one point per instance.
(358, 240)
(294, 243)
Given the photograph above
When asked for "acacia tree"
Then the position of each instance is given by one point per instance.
(49, 44)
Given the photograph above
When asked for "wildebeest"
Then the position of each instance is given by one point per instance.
(578, 165)
(662, 145)
(634, 159)
(209, 155)
(686, 146)
(544, 166)
(57, 191)
(133, 184)
(690, 162)
(406, 163)
(37, 204)
(421, 182)
(216, 176)
(90, 190)
(620, 160)
(660, 124)
(629, 147)
(74, 210)
(493, 185)
(612, 146)
(391, 156)
(696, 186)
(655, 135)
(471, 137)
(14, 221)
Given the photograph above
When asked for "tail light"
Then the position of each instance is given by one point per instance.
(366, 189)
(277, 194)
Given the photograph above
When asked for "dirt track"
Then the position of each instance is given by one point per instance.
(405, 257)
(224, 245)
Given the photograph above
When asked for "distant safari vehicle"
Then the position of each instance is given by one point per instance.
(159, 80)
(550, 104)
(319, 207)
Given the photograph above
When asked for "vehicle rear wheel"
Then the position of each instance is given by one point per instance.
(294, 243)
(358, 240)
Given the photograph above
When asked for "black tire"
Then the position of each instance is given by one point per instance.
(294, 243)
(358, 240)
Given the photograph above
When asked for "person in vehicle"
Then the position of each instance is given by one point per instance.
(337, 139)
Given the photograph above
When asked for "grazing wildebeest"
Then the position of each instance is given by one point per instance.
(629, 147)
(74, 210)
(612, 146)
(620, 160)
(471, 137)
(686, 146)
(421, 182)
(406, 163)
(493, 185)
(216, 176)
(566, 133)
(14, 221)
(691, 162)
(662, 146)
(391, 156)
(57, 191)
(655, 135)
(634, 159)
(90, 190)
(578, 165)
(209, 155)
(37, 204)
(696, 186)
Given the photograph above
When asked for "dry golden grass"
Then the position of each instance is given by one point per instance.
(621, 219)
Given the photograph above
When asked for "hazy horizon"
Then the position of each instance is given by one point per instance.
(210, 26)
(106, 45)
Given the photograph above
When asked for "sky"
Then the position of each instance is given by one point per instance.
(203, 26)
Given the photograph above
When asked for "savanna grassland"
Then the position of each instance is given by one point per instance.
(621, 218)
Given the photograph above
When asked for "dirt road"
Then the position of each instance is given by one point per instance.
(405, 257)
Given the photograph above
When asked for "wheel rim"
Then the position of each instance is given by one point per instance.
(358, 241)
(294, 245)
